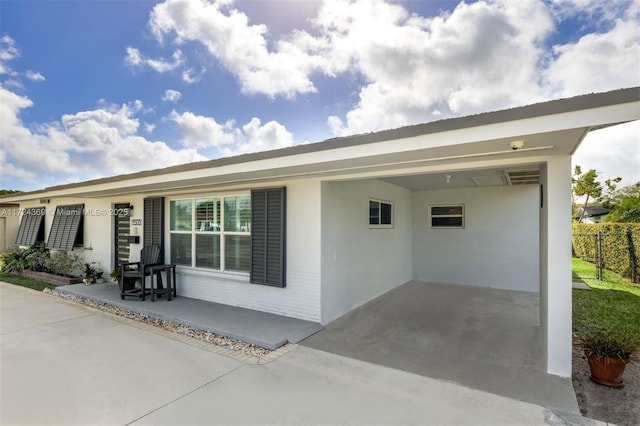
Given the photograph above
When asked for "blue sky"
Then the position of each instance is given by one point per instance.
(96, 88)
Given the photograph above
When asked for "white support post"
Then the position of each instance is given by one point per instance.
(555, 265)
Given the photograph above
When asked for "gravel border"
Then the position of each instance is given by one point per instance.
(237, 349)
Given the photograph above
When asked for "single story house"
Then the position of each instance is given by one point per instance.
(591, 214)
(313, 231)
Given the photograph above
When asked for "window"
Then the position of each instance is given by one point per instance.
(447, 216)
(211, 233)
(31, 229)
(66, 229)
(380, 214)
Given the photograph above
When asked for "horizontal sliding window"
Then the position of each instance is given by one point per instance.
(380, 214)
(447, 216)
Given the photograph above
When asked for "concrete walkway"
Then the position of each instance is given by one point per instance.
(67, 364)
(264, 329)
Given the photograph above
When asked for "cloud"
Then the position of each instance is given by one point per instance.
(482, 56)
(8, 52)
(34, 76)
(202, 132)
(240, 47)
(135, 59)
(612, 152)
(226, 139)
(87, 144)
(257, 137)
(599, 61)
(171, 95)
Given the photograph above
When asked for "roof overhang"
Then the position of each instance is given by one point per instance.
(539, 130)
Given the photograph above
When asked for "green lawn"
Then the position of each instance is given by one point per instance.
(24, 281)
(612, 305)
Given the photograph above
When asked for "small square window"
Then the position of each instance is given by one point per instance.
(380, 214)
(446, 216)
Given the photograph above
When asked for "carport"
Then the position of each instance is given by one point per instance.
(483, 338)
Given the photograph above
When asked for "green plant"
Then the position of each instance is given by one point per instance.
(115, 275)
(17, 259)
(88, 271)
(622, 345)
(64, 263)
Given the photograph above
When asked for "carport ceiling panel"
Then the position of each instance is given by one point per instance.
(490, 180)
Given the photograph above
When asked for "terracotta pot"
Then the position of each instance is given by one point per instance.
(607, 370)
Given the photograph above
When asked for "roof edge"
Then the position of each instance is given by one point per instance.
(564, 105)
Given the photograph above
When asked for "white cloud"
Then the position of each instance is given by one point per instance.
(86, 144)
(599, 62)
(612, 152)
(135, 59)
(256, 137)
(171, 95)
(240, 47)
(35, 76)
(8, 52)
(204, 132)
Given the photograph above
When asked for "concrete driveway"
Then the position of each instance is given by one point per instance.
(483, 338)
(66, 364)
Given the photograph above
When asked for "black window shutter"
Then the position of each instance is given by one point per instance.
(268, 229)
(66, 227)
(153, 223)
(31, 228)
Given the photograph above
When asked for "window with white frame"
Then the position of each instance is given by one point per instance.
(380, 214)
(446, 216)
(211, 232)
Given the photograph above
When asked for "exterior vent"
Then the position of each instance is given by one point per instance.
(489, 180)
(522, 177)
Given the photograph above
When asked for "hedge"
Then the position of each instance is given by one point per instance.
(620, 246)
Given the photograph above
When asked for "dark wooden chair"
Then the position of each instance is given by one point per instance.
(132, 272)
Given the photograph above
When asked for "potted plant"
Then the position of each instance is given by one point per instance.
(114, 276)
(88, 275)
(608, 354)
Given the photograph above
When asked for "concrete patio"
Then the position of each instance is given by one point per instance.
(267, 330)
(483, 338)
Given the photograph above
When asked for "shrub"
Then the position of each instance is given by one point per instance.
(620, 246)
(39, 258)
(65, 263)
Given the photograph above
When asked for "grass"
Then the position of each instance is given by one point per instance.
(24, 281)
(611, 306)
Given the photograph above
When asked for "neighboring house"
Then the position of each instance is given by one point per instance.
(314, 231)
(591, 214)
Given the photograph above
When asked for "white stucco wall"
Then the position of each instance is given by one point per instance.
(9, 224)
(360, 263)
(498, 247)
(97, 227)
(301, 296)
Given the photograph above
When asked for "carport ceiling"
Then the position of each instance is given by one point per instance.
(525, 175)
